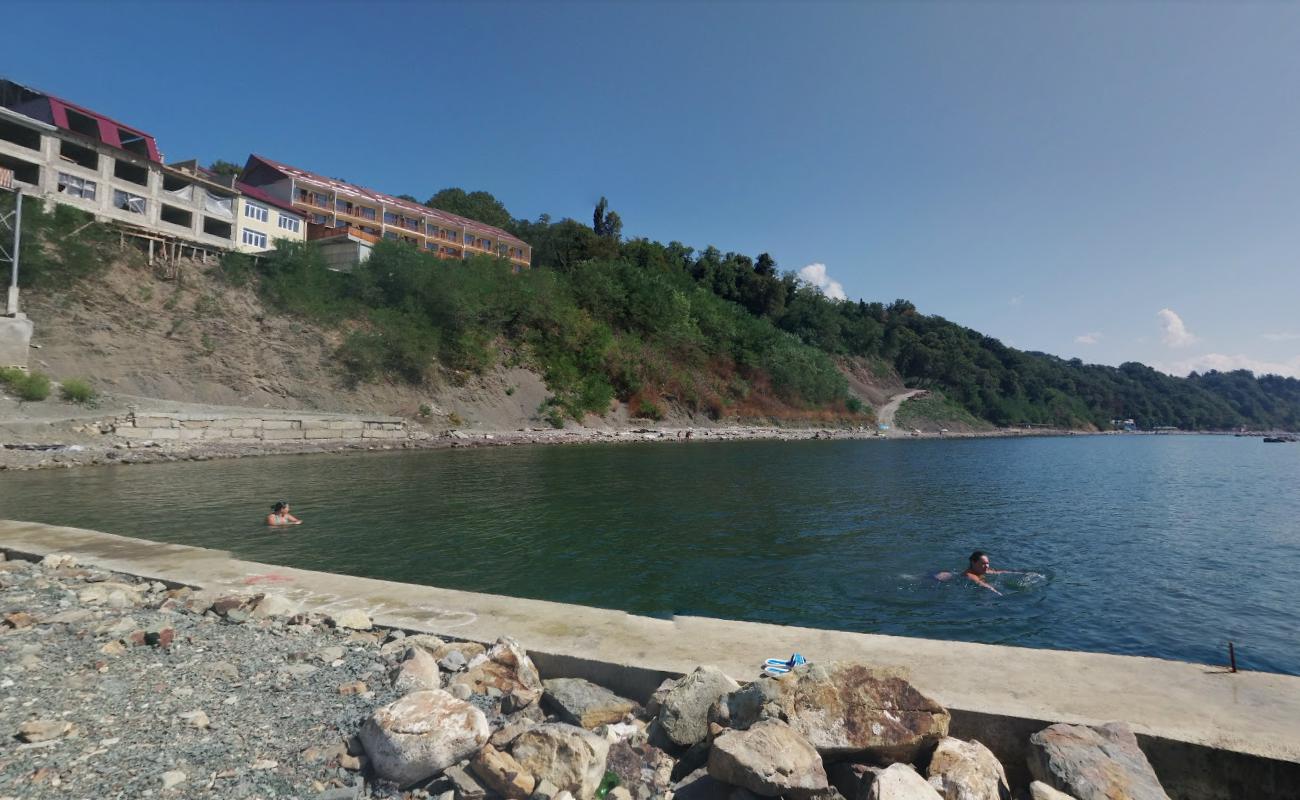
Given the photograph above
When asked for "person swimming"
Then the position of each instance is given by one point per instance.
(280, 516)
(976, 570)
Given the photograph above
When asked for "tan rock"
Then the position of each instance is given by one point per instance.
(769, 759)
(1101, 763)
(417, 671)
(901, 782)
(352, 619)
(962, 770)
(43, 730)
(500, 772)
(571, 758)
(507, 669)
(683, 705)
(844, 709)
(1041, 791)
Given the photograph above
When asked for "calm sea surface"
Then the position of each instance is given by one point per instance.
(1154, 545)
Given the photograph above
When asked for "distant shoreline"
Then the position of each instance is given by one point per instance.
(116, 452)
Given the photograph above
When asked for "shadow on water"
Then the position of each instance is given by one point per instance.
(1139, 545)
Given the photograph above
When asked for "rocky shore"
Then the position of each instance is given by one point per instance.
(119, 687)
(88, 446)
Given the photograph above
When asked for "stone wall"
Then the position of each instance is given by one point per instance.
(220, 428)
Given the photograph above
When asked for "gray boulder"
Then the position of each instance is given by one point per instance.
(700, 785)
(416, 672)
(571, 758)
(683, 706)
(643, 768)
(967, 771)
(769, 758)
(845, 709)
(900, 782)
(584, 703)
(1101, 763)
(422, 734)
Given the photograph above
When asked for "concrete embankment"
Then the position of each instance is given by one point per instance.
(1208, 733)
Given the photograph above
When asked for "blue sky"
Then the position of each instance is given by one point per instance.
(1112, 181)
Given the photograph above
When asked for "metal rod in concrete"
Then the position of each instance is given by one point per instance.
(1232, 657)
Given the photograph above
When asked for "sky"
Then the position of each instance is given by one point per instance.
(1108, 181)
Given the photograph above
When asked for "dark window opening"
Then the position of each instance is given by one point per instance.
(133, 142)
(83, 124)
(20, 135)
(78, 154)
(177, 216)
(215, 227)
(130, 172)
(173, 184)
(24, 171)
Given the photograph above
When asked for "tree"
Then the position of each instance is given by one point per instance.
(606, 224)
(481, 206)
(408, 198)
(221, 167)
(765, 265)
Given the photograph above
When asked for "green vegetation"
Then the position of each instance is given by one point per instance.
(59, 247)
(935, 410)
(76, 390)
(26, 386)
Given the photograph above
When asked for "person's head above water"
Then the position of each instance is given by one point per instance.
(279, 506)
(979, 562)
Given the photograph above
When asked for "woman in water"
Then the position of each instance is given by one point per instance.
(280, 516)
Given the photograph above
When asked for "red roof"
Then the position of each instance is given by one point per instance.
(350, 190)
(265, 197)
(54, 110)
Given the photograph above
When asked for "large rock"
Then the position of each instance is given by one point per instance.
(422, 734)
(571, 758)
(683, 707)
(845, 709)
(967, 771)
(769, 759)
(502, 773)
(1102, 763)
(900, 782)
(352, 619)
(584, 703)
(504, 670)
(416, 672)
(700, 785)
(275, 605)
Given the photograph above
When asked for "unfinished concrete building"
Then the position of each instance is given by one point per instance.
(64, 153)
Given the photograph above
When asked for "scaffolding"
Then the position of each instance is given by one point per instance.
(11, 224)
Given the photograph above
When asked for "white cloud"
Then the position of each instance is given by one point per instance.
(1088, 338)
(1175, 332)
(1282, 337)
(1226, 363)
(815, 274)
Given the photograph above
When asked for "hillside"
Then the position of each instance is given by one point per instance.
(601, 331)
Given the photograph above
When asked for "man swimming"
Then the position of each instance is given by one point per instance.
(977, 569)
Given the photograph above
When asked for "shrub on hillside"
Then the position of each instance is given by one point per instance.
(59, 247)
(26, 386)
(76, 390)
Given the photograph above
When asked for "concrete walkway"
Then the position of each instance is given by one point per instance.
(885, 416)
(1250, 712)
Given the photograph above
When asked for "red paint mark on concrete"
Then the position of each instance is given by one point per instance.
(270, 577)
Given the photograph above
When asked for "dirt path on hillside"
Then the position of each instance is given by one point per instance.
(886, 413)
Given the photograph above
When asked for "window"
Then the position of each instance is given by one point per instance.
(343, 205)
(363, 212)
(390, 235)
(73, 186)
(289, 223)
(253, 238)
(129, 202)
(320, 200)
(432, 230)
(319, 219)
(390, 218)
(430, 246)
(255, 211)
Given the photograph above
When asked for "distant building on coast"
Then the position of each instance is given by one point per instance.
(340, 213)
(1123, 424)
(61, 152)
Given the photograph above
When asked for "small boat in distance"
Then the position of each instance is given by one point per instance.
(1279, 439)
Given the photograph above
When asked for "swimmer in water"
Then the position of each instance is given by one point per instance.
(979, 567)
(280, 516)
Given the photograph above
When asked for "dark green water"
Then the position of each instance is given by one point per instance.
(1166, 546)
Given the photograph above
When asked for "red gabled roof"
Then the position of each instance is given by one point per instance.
(351, 190)
(265, 197)
(54, 110)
